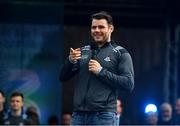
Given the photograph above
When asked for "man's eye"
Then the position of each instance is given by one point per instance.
(94, 27)
(100, 27)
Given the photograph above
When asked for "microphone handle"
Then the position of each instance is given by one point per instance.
(93, 54)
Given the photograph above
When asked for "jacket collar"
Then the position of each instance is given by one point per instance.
(94, 45)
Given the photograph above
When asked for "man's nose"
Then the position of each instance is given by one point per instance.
(96, 29)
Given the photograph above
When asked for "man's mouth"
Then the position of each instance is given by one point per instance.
(97, 36)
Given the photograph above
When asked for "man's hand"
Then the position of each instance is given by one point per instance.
(94, 66)
(75, 54)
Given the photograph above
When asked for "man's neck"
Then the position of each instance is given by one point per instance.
(1, 107)
(102, 44)
(16, 113)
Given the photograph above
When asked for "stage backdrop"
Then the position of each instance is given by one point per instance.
(30, 58)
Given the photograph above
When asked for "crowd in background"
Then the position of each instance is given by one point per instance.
(166, 115)
(15, 114)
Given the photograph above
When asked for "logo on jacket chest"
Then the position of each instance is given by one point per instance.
(107, 59)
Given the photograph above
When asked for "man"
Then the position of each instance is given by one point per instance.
(176, 119)
(2, 109)
(151, 118)
(16, 115)
(118, 111)
(165, 117)
(102, 68)
(66, 119)
(32, 116)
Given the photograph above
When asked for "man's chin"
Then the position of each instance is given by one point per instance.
(99, 41)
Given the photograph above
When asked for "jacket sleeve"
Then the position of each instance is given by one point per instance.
(68, 70)
(125, 77)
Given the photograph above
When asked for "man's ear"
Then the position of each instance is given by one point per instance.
(112, 28)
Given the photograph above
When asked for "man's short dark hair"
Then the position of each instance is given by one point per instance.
(14, 94)
(103, 15)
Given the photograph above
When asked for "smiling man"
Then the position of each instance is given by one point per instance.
(103, 68)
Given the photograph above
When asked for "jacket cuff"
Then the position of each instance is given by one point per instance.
(99, 70)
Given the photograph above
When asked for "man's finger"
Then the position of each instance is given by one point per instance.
(77, 49)
(71, 50)
(79, 57)
(92, 61)
(78, 54)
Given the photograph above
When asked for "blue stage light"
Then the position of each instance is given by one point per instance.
(150, 108)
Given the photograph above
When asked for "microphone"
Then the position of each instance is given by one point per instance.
(94, 52)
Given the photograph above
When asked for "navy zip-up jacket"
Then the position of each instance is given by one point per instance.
(99, 92)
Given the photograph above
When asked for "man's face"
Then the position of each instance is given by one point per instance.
(66, 119)
(152, 119)
(2, 99)
(166, 113)
(16, 103)
(177, 108)
(101, 31)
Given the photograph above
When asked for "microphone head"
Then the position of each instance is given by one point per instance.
(92, 48)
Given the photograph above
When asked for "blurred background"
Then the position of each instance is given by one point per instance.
(35, 37)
